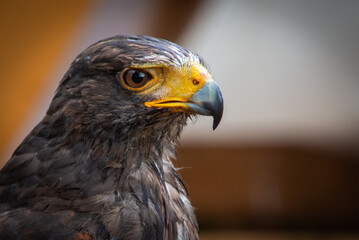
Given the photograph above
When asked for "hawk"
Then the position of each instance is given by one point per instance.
(98, 165)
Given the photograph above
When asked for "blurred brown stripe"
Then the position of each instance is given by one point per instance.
(34, 34)
(273, 187)
(173, 18)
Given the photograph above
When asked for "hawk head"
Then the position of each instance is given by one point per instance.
(136, 83)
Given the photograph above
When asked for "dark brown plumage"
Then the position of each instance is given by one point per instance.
(98, 166)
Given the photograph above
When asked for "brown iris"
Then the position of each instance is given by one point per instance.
(136, 78)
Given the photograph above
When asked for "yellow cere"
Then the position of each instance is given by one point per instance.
(179, 84)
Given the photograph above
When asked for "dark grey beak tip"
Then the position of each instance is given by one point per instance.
(215, 124)
(217, 120)
(217, 111)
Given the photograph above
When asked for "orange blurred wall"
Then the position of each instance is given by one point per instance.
(34, 34)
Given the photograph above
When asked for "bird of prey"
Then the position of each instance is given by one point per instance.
(98, 165)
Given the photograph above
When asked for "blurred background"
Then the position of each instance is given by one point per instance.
(284, 162)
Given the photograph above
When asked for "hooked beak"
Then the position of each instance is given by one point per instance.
(206, 101)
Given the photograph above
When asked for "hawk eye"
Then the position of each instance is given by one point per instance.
(136, 78)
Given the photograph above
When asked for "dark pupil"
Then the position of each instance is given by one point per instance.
(137, 77)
